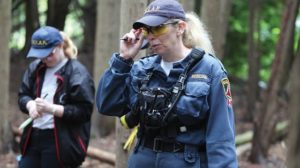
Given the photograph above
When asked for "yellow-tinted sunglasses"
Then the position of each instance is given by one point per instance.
(157, 30)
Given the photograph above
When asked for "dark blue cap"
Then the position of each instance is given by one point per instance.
(43, 41)
(159, 11)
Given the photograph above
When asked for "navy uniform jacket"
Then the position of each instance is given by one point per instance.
(206, 99)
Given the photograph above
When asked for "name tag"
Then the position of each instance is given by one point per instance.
(199, 76)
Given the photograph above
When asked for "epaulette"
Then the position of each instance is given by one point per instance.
(211, 55)
(218, 60)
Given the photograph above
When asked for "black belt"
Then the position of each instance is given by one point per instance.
(36, 130)
(163, 145)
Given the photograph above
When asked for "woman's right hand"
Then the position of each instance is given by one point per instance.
(131, 43)
(31, 107)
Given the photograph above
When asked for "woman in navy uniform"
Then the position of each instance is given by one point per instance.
(179, 96)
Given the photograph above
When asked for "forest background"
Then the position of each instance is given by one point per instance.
(257, 40)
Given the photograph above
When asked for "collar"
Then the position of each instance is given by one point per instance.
(178, 65)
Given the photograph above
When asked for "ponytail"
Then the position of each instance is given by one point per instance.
(196, 35)
(70, 50)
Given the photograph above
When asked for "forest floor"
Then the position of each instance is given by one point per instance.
(277, 156)
(276, 159)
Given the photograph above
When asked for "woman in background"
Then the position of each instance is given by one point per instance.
(57, 92)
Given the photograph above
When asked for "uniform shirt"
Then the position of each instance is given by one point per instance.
(167, 66)
(206, 100)
(48, 91)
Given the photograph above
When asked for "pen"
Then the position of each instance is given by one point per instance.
(45, 95)
(126, 38)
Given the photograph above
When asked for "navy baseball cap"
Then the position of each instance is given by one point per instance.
(43, 41)
(159, 11)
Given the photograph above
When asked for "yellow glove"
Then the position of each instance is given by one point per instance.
(123, 122)
(131, 138)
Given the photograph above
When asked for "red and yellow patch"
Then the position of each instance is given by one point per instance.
(226, 87)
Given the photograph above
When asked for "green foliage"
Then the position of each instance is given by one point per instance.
(74, 23)
(269, 17)
(297, 33)
(17, 39)
(269, 24)
(236, 47)
(42, 8)
(73, 27)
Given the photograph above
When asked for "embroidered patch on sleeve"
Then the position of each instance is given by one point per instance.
(226, 87)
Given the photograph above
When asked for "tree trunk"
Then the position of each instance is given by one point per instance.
(294, 110)
(265, 123)
(106, 42)
(130, 12)
(86, 54)
(31, 24)
(5, 22)
(57, 13)
(253, 60)
(188, 5)
(215, 15)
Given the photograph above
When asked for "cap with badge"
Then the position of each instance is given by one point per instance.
(159, 11)
(43, 41)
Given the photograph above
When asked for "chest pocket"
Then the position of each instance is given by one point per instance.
(192, 105)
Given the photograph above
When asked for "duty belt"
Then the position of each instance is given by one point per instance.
(163, 145)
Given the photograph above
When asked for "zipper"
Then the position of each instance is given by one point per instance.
(38, 78)
(83, 147)
(26, 141)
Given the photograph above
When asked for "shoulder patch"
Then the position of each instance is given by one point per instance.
(227, 91)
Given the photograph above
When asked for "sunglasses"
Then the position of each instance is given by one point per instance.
(157, 30)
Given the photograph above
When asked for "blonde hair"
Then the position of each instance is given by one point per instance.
(70, 50)
(196, 34)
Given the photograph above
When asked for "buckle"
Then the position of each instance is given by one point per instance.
(162, 145)
(178, 147)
